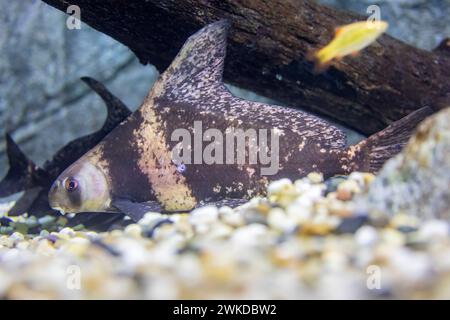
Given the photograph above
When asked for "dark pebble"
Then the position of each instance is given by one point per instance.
(112, 251)
(351, 224)
(5, 222)
(406, 229)
(52, 238)
(333, 182)
(149, 233)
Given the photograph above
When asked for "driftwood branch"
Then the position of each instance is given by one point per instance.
(266, 53)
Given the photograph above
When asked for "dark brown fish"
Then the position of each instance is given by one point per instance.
(134, 169)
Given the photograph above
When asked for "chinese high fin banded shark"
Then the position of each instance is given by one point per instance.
(133, 169)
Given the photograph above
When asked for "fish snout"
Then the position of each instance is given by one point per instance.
(53, 195)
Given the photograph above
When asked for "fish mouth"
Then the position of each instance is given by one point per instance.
(60, 209)
(57, 207)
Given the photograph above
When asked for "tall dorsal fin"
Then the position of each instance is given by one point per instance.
(117, 111)
(199, 63)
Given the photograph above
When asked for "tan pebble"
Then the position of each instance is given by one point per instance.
(316, 229)
(278, 220)
(67, 232)
(282, 192)
(339, 209)
(233, 219)
(23, 245)
(204, 215)
(433, 230)
(403, 220)
(350, 187)
(315, 177)
(116, 233)
(393, 237)
(183, 226)
(368, 178)
(149, 218)
(5, 241)
(344, 194)
(217, 269)
(17, 237)
(63, 236)
(45, 248)
(366, 236)
(133, 230)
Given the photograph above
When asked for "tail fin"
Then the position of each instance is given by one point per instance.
(319, 67)
(383, 145)
(23, 174)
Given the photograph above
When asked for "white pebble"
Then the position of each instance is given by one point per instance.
(17, 237)
(68, 231)
(204, 215)
(434, 229)
(278, 220)
(250, 235)
(149, 218)
(366, 236)
(133, 230)
(279, 186)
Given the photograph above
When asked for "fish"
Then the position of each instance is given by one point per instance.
(349, 39)
(138, 166)
(23, 173)
(35, 181)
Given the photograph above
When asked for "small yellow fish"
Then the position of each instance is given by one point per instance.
(348, 39)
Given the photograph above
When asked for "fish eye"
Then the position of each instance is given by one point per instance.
(71, 184)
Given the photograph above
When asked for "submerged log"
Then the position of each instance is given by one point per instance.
(267, 49)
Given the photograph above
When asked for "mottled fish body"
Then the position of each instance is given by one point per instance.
(135, 163)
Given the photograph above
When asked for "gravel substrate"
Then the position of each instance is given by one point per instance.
(307, 239)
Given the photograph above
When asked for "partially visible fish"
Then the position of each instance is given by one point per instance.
(348, 40)
(25, 175)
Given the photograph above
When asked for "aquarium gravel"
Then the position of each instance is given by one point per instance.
(305, 240)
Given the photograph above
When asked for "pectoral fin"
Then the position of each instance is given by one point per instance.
(99, 221)
(136, 210)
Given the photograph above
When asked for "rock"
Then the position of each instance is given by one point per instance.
(417, 181)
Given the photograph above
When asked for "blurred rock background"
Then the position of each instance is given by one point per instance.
(45, 105)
